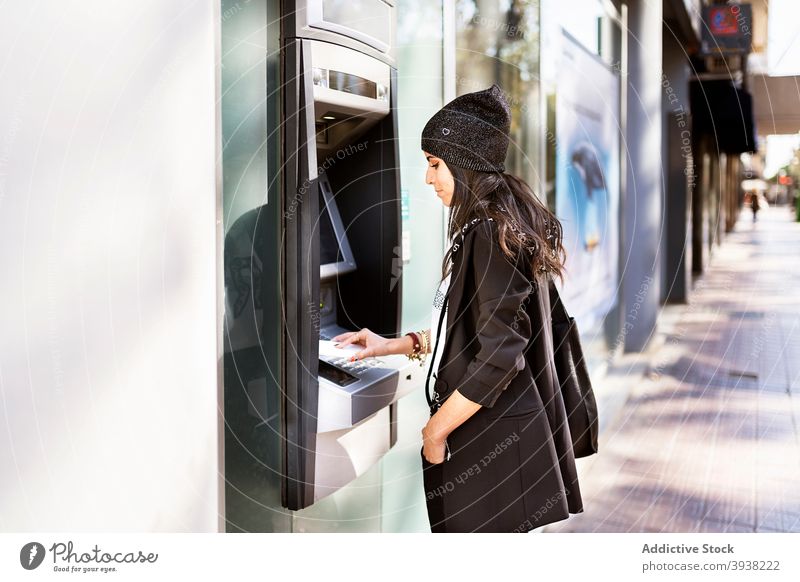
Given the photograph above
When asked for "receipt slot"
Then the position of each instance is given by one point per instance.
(341, 243)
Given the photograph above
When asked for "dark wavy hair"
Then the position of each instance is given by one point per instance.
(525, 224)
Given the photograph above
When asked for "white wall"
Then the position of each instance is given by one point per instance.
(108, 290)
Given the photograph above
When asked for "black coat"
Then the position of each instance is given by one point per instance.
(511, 467)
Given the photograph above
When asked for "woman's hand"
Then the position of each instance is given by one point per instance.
(456, 409)
(374, 345)
(433, 446)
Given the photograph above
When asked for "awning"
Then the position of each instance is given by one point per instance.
(724, 112)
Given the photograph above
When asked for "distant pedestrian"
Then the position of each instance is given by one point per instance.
(755, 205)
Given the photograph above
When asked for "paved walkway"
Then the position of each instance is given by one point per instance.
(708, 439)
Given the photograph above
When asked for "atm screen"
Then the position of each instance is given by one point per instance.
(335, 256)
(329, 252)
(334, 374)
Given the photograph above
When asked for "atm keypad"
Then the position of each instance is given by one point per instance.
(359, 365)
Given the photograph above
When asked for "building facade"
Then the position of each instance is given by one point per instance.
(142, 174)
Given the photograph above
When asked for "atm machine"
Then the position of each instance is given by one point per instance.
(340, 257)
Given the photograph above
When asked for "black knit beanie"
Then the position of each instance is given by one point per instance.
(471, 131)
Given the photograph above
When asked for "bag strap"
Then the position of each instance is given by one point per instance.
(433, 355)
(559, 312)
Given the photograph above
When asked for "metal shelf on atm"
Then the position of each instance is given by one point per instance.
(354, 391)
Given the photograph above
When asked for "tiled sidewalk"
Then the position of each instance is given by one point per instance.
(708, 439)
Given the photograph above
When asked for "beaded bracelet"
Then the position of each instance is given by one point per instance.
(415, 342)
(420, 347)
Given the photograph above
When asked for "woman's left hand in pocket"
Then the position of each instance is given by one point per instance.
(433, 449)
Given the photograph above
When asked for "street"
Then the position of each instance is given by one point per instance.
(708, 439)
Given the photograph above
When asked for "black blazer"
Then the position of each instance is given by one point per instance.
(498, 348)
(490, 329)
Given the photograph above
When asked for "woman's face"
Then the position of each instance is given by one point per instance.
(439, 176)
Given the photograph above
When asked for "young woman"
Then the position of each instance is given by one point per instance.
(497, 454)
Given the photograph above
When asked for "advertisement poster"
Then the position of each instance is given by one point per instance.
(587, 180)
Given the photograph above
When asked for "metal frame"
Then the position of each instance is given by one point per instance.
(300, 290)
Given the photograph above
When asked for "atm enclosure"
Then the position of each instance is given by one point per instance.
(341, 258)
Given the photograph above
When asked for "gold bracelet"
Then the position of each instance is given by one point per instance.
(422, 353)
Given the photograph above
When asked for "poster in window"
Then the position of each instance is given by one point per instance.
(587, 180)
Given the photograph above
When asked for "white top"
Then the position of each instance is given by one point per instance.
(438, 302)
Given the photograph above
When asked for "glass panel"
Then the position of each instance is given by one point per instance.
(597, 31)
(582, 19)
(498, 42)
(580, 80)
(356, 507)
(420, 62)
(372, 18)
(251, 215)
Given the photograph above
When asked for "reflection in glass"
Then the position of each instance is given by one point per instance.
(498, 42)
(250, 158)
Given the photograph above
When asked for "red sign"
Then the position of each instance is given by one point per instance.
(722, 21)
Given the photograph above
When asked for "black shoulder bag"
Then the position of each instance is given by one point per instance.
(573, 377)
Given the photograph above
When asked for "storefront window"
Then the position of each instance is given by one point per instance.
(498, 42)
(581, 72)
(588, 24)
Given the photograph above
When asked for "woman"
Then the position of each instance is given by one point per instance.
(497, 454)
